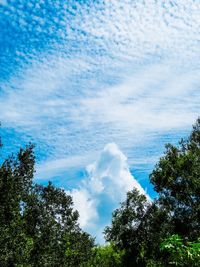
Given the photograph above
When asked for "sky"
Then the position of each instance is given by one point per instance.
(99, 87)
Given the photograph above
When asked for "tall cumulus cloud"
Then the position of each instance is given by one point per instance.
(108, 180)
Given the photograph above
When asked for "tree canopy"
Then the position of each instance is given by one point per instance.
(139, 227)
(38, 226)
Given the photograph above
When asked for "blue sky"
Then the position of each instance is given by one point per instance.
(76, 76)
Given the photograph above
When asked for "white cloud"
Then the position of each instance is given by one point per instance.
(86, 205)
(160, 26)
(49, 168)
(64, 98)
(118, 71)
(108, 181)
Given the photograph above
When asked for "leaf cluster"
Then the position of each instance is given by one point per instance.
(38, 225)
(149, 231)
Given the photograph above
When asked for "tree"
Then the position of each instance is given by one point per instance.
(125, 226)
(138, 227)
(58, 239)
(38, 226)
(15, 180)
(176, 178)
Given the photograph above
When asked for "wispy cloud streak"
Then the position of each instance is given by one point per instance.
(85, 74)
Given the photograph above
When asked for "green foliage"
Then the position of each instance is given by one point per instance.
(78, 248)
(15, 247)
(176, 179)
(38, 225)
(180, 253)
(15, 180)
(138, 227)
(105, 256)
(126, 219)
